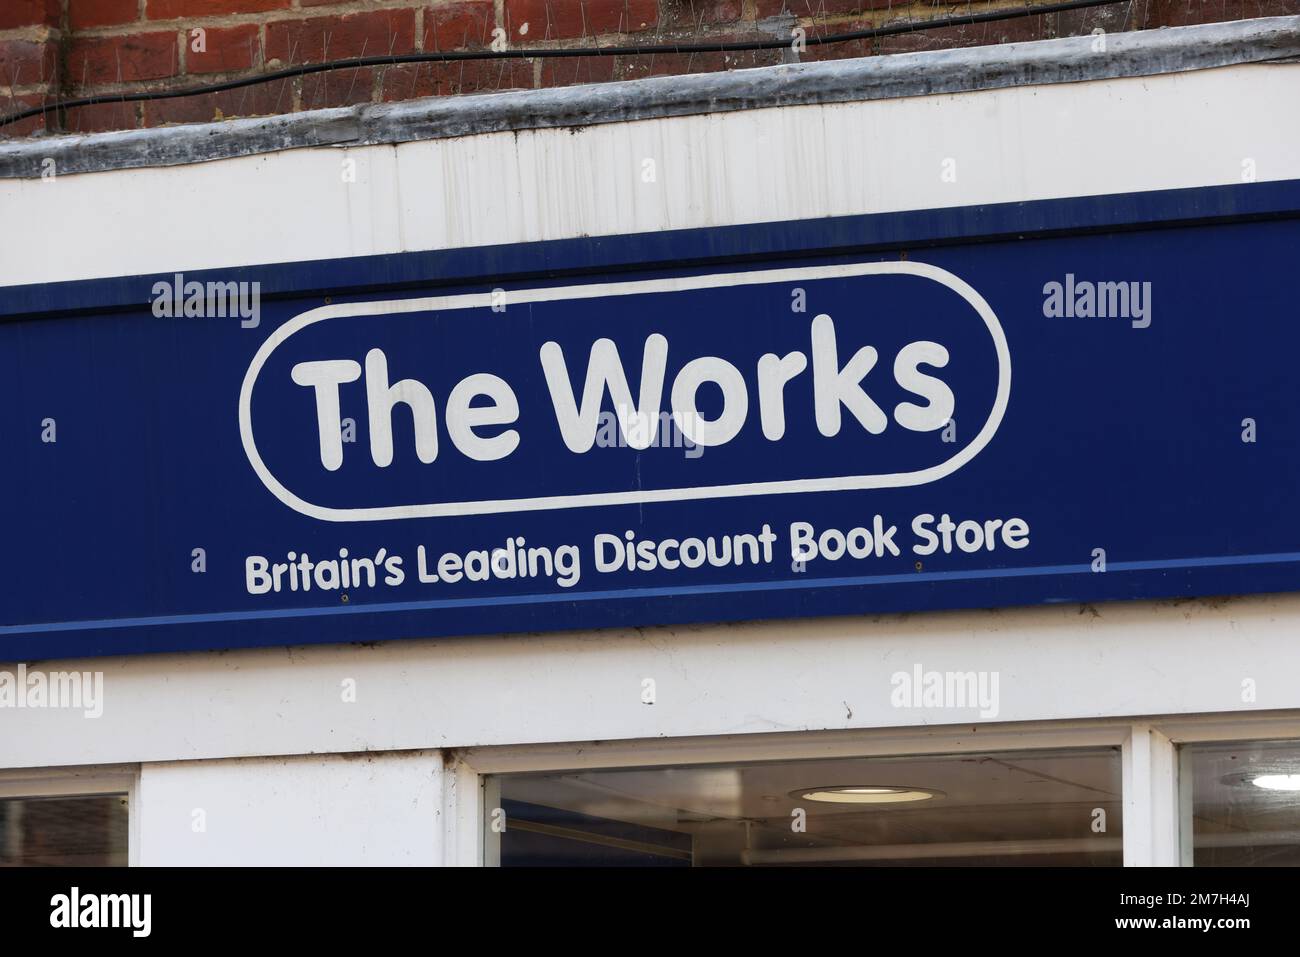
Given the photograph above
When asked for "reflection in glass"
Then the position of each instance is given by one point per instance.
(1244, 804)
(1057, 808)
(84, 831)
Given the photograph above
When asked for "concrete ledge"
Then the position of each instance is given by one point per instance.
(1068, 60)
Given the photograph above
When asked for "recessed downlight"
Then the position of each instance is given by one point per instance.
(866, 794)
(1277, 782)
(1278, 779)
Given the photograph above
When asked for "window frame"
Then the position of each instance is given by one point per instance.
(1156, 808)
(81, 782)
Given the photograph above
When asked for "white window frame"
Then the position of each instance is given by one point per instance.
(81, 782)
(1156, 811)
(1157, 815)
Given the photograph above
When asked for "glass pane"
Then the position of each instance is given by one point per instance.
(1245, 804)
(1058, 808)
(87, 831)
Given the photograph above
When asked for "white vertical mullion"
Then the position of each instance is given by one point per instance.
(1151, 801)
(1166, 816)
(462, 814)
(1135, 762)
(1186, 829)
(134, 820)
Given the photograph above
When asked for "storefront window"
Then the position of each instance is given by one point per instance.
(1245, 804)
(83, 831)
(1058, 808)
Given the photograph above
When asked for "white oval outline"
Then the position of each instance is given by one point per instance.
(599, 290)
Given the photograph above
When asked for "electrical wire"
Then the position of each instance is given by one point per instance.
(738, 46)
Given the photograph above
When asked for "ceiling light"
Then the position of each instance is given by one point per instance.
(866, 794)
(1277, 778)
(1277, 782)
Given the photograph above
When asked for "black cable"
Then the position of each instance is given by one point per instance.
(529, 54)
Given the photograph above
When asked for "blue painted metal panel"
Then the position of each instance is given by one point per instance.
(961, 370)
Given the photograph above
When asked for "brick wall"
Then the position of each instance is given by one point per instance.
(53, 49)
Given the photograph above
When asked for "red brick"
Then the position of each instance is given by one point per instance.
(560, 19)
(455, 26)
(322, 3)
(482, 76)
(809, 9)
(1178, 13)
(173, 9)
(1118, 19)
(376, 33)
(970, 35)
(26, 63)
(837, 51)
(99, 13)
(669, 64)
(263, 99)
(572, 71)
(406, 81)
(337, 88)
(145, 56)
(674, 14)
(101, 117)
(12, 105)
(676, 64)
(28, 13)
(227, 49)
